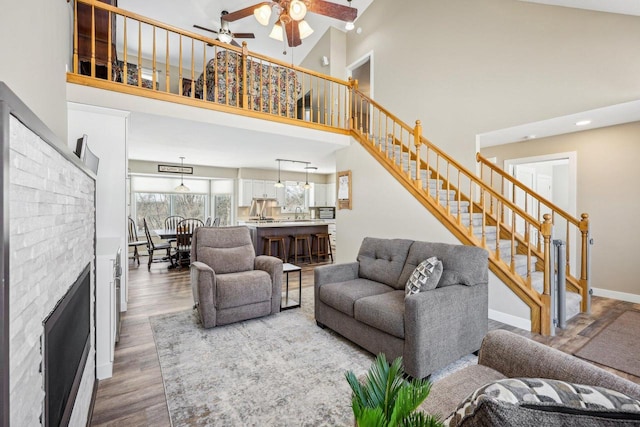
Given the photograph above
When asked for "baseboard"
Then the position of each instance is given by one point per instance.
(104, 371)
(510, 319)
(622, 296)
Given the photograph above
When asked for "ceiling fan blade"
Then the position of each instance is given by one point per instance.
(205, 29)
(235, 43)
(244, 35)
(333, 10)
(293, 34)
(243, 13)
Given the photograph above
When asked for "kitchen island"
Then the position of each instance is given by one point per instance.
(285, 229)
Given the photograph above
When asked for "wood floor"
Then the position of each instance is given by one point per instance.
(134, 396)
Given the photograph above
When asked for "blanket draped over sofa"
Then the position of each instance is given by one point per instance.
(272, 89)
(365, 302)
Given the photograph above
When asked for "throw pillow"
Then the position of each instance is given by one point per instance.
(425, 276)
(536, 402)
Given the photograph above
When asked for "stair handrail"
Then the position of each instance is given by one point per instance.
(370, 123)
(582, 226)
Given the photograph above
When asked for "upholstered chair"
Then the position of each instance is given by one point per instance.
(229, 282)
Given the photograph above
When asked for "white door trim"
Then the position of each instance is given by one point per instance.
(358, 62)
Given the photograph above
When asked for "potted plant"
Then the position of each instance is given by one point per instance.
(385, 399)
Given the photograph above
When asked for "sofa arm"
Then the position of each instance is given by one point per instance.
(335, 273)
(203, 286)
(442, 325)
(273, 266)
(518, 357)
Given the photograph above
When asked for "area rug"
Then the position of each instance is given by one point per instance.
(280, 370)
(617, 345)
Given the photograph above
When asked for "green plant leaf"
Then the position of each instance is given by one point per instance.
(408, 399)
(420, 419)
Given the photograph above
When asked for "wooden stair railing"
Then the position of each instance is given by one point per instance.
(537, 206)
(462, 202)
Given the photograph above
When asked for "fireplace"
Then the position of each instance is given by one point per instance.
(67, 340)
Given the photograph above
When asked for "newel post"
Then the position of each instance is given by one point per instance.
(417, 141)
(352, 105)
(245, 82)
(545, 323)
(584, 262)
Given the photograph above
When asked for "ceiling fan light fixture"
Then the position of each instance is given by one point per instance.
(297, 10)
(349, 26)
(263, 14)
(276, 32)
(305, 29)
(225, 37)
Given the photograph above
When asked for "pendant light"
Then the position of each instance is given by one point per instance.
(182, 188)
(278, 184)
(306, 171)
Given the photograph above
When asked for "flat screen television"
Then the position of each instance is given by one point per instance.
(86, 155)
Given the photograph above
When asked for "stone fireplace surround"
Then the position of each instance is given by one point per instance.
(47, 229)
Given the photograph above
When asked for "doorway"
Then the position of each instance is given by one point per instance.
(362, 71)
(554, 177)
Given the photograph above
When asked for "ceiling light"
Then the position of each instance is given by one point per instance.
(530, 137)
(182, 188)
(278, 184)
(225, 37)
(262, 14)
(297, 10)
(349, 26)
(583, 122)
(305, 29)
(276, 32)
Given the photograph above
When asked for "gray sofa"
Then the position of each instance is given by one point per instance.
(503, 355)
(365, 302)
(229, 282)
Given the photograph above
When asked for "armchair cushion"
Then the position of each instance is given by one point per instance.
(229, 250)
(382, 260)
(384, 312)
(243, 288)
(343, 295)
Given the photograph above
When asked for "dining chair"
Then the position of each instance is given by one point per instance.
(207, 223)
(216, 222)
(134, 242)
(152, 247)
(184, 232)
(170, 223)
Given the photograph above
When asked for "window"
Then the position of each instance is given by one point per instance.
(296, 198)
(155, 207)
(222, 208)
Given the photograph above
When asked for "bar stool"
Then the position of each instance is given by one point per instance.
(305, 250)
(281, 251)
(322, 245)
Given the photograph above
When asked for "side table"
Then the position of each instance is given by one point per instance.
(286, 302)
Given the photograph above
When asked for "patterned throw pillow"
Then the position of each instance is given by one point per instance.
(537, 402)
(425, 277)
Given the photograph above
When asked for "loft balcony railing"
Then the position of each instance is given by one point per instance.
(124, 52)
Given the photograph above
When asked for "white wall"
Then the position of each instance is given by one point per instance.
(466, 67)
(382, 207)
(35, 44)
(106, 130)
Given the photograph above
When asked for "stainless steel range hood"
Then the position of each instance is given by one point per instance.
(262, 208)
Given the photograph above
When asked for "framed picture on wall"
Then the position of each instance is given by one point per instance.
(343, 182)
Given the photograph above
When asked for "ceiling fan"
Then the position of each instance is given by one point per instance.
(224, 34)
(291, 15)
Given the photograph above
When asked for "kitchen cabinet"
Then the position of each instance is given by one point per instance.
(319, 195)
(259, 189)
(280, 196)
(245, 189)
(331, 194)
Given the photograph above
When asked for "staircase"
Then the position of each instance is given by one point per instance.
(518, 243)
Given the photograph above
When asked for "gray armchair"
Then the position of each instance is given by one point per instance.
(229, 282)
